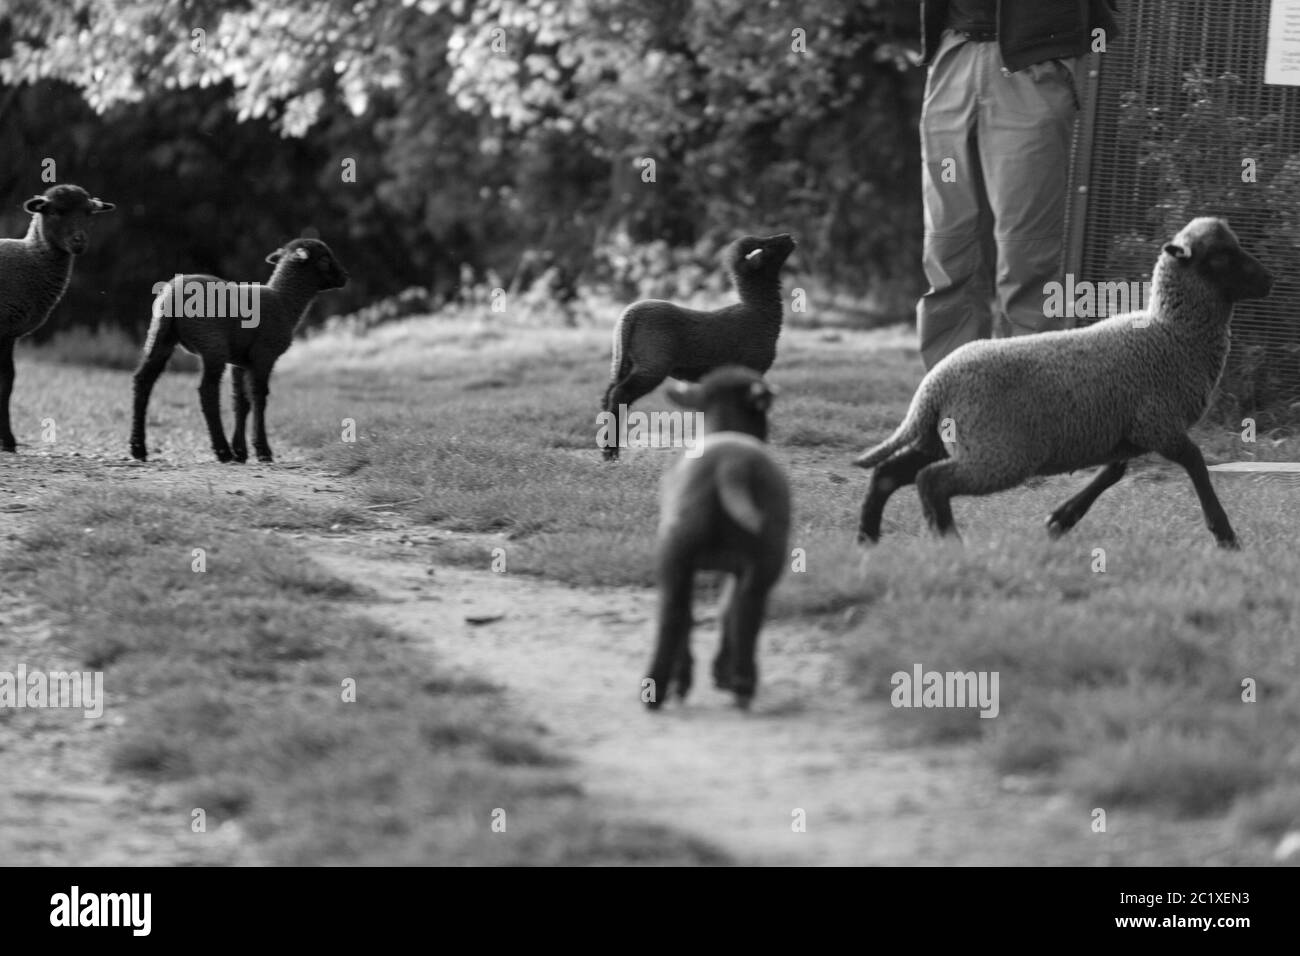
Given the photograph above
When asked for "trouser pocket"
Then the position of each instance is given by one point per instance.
(1069, 73)
(1060, 71)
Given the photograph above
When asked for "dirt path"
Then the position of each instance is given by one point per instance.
(571, 659)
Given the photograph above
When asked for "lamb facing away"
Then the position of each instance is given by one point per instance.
(654, 339)
(246, 325)
(726, 510)
(34, 273)
(1059, 401)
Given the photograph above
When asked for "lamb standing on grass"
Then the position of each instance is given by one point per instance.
(1059, 401)
(303, 268)
(655, 339)
(726, 510)
(34, 273)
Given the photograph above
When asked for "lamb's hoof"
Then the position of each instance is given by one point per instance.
(682, 685)
(867, 540)
(1054, 527)
(138, 453)
(241, 454)
(610, 453)
(742, 689)
(8, 447)
(224, 456)
(1230, 544)
(265, 456)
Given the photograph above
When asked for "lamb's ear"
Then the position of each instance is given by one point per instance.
(1178, 251)
(275, 257)
(753, 257)
(98, 205)
(687, 396)
(761, 395)
(36, 204)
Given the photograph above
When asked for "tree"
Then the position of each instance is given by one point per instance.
(482, 130)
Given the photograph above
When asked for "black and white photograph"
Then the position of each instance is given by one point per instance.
(650, 433)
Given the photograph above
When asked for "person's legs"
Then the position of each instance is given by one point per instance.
(1026, 122)
(956, 309)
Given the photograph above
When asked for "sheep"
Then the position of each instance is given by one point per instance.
(187, 313)
(654, 339)
(1060, 401)
(34, 274)
(727, 509)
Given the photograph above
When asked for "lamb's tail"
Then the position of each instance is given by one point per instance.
(163, 334)
(737, 498)
(619, 359)
(913, 428)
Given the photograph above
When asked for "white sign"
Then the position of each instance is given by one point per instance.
(1282, 65)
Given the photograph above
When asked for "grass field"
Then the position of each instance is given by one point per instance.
(1126, 683)
(226, 687)
(1123, 686)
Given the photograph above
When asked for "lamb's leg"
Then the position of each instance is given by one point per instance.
(888, 477)
(746, 614)
(610, 451)
(1067, 515)
(935, 486)
(675, 592)
(261, 380)
(722, 666)
(636, 384)
(142, 383)
(210, 402)
(239, 390)
(683, 670)
(7, 442)
(1185, 453)
(938, 483)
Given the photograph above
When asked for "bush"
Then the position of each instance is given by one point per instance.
(105, 347)
(415, 300)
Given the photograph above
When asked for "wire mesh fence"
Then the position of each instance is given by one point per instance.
(1178, 122)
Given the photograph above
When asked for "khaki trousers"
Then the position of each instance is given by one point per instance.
(996, 154)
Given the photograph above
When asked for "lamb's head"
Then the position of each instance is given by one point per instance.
(1211, 249)
(753, 257)
(733, 399)
(310, 257)
(61, 216)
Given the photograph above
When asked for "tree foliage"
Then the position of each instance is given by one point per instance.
(478, 130)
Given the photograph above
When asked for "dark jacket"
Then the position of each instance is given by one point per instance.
(1031, 31)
